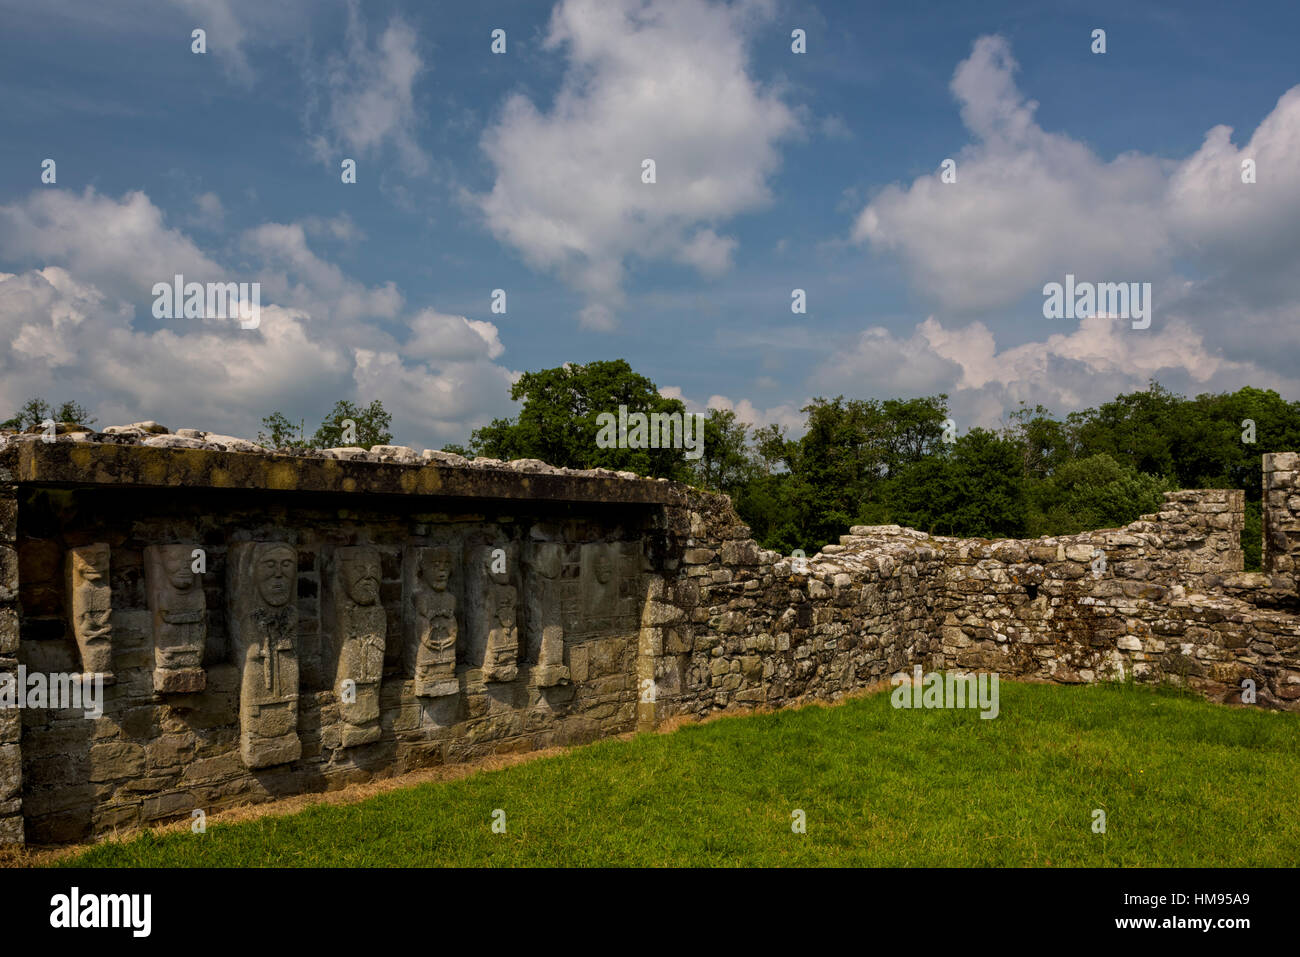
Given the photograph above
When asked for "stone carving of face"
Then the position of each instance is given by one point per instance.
(361, 578)
(604, 568)
(276, 567)
(506, 608)
(436, 568)
(92, 564)
(548, 560)
(179, 570)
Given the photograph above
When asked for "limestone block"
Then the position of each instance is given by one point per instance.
(263, 621)
(493, 603)
(543, 613)
(430, 616)
(90, 607)
(180, 621)
(356, 626)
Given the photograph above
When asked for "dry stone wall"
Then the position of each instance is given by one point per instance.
(267, 624)
(1164, 598)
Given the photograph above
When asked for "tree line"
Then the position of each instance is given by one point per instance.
(874, 461)
(893, 461)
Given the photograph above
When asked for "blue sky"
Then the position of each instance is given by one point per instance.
(521, 171)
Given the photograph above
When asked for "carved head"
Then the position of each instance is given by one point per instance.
(274, 569)
(604, 567)
(90, 563)
(506, 607)
(359, 568)
(179, 568)
(548, 559)
(435, 567)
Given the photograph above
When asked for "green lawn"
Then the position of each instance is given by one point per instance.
(1183, 783)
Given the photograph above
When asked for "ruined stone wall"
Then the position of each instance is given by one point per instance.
(361, 614)
(353, 630)
(1161, 599)
(11, 765)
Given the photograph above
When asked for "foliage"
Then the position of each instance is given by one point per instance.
(372, 422)
(558, 420)
(36, 410)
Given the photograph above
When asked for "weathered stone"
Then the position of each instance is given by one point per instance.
(356, 626)
(432, 626)
(90, 607)
(180, 619)
(264, 630)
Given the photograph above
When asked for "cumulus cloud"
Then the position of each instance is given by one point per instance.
(1030, 205)
(665, 80)
(296, 275)
(369, 96)
(121, 245)
(71, 323)
(1085, 366)
(1027, 206)
(786, 414)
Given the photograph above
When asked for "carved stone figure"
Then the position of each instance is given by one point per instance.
(599, 586)
(90, 608)
(501, 661)
(500, 601)
(436, 631)
(180, 620)
(264, 632)
(544, 613)
(359, 627)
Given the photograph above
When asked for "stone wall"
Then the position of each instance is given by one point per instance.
(1161, 599)
(11, 766)
(273, 624)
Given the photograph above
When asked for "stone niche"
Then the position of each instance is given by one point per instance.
(492, 609)
(90, 607)
(180, 618)
(602, 598)
(263, 618)
(355, 630)
(543, 612)
(429, 618)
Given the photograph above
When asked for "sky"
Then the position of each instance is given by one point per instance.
(523, 171)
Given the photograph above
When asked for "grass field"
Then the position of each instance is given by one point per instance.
(1182, 782)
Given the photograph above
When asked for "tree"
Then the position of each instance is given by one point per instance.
(36, 410)
(371, 422)
(726, 463)
(976, 489)
(1096, 492)
(281, 433)
(558, 421)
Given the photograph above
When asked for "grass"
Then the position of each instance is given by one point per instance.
(1183, 783)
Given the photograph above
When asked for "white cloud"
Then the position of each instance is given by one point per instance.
(73, 330)
(298, 276)
(370, 96)
(210, 211)
(1085, 366)
(787, 415)
(1029, 205)
(660, 79)
(123, 246)
(435, 335)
